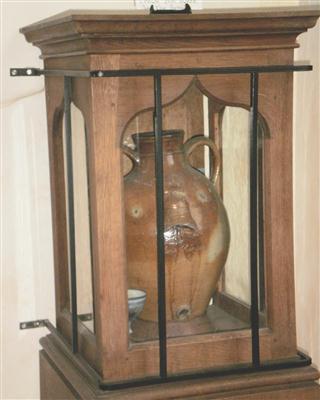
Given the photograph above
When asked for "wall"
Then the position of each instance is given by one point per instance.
(307, 195)
(27, 270)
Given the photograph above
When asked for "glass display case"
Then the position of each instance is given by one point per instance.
(170, 157)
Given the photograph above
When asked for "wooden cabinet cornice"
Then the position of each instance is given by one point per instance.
(98, 40)
(81, 32)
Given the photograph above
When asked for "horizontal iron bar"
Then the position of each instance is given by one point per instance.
(166, 71)
(202, 71)
(38, 323)
(301, 360)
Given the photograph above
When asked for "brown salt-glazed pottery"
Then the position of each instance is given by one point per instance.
(196, 234)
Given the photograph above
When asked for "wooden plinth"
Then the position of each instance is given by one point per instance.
(62, 379)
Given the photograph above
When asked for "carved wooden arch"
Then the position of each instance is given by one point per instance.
(212, 86)
(173, 108)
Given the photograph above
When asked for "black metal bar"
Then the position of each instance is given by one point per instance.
(254, 219)
(261, 262)
(72, 244)
(202, 71)
(160, 227)
(301, 360)
(165, 71)
(28, 71)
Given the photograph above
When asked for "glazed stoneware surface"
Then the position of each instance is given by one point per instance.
(196, 227)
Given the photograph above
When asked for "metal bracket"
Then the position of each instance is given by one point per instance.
(25, 72)
(39, 323)
(85, 317)
(187, 10)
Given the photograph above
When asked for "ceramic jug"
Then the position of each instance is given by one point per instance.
(196, 233)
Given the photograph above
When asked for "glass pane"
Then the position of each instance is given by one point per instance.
(236, 197)
(140, 223)
(197, 228)
(206, 220)
(81, 218)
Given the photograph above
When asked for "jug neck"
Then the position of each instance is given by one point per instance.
(172, 145)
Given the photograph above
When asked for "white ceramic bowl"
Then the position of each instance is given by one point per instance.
(136, 301)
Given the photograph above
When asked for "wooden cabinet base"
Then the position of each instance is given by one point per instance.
(62, 379)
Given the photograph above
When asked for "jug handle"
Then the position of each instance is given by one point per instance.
(196, 141)
(132, 154)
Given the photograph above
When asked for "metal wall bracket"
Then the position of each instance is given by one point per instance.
(25, 72)
(85, 317)
(39, 323)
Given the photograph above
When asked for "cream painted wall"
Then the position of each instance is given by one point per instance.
(27, 269)
(307, 195)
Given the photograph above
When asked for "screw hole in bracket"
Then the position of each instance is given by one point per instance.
(39, 323)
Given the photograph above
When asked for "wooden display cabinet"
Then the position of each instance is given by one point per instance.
(111, 75)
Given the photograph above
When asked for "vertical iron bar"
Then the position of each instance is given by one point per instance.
(160, 227)
(254, 218)
(261, 219)
(72, 246)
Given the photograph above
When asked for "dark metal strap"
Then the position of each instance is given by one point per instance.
(15, 72)
(298, 361)
(160, 227)
(72, 244)
(254, 219)
(38, 323)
